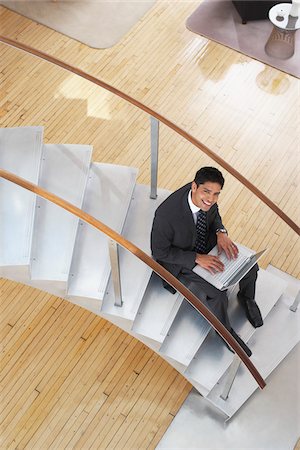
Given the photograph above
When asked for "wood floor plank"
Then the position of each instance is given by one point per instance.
(126, 389)
(55, 417)
(12, 299)
(22, 367)
(21, 316)
(164, 412)
(129, 429)
(12, 360)
(132, 360)
(49, 397)
(88, 398)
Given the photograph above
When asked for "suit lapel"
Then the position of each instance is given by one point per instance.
(187, 214)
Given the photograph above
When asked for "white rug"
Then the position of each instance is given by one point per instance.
(219, 21)
(98, 23)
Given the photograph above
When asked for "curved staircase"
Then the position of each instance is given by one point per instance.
(47, 247)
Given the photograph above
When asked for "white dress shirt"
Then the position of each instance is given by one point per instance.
(193, 207)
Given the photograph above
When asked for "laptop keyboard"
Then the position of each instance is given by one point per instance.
(231, 267)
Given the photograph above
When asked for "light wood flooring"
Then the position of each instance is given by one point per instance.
(69, 378)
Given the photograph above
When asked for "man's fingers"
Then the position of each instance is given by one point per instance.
(231, 251)
(228, 253)
(235, 251)
(210, 263)
(216, 264)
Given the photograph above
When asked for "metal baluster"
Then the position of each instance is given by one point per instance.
(231, 377)
(115, 271)
(294, 306)
(154, 155)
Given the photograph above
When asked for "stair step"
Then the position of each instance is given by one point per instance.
(213, 358)
(270, 344)
(293, 284)
(20, 153)
(268, 290)
(107, 198)
(186, 334)
(64, 172)
(157, 311)
(134, 273)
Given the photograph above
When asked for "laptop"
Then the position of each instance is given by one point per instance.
(235, 269)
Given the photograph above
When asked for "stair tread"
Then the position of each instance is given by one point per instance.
(64, 172)
(293, 284)
(281, 332)
(187, 332)
(134, 274)
(107, 198)
(20, 153)
(213, 357)
(157, 311)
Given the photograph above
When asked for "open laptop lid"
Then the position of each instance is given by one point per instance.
(242, 271)
(234, 271)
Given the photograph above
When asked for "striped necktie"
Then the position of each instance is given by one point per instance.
(200, 246)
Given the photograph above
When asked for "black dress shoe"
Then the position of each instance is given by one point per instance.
(252, 311)
(240, 341)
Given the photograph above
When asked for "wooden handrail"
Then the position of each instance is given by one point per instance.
(162, 119)
(157, 268)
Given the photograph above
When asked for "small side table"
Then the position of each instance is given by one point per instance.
(281, 43)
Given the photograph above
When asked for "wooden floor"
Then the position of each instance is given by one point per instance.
(69, 378)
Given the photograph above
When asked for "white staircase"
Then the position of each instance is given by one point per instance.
(47, 247)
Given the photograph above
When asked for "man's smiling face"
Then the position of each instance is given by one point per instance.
(205, 195)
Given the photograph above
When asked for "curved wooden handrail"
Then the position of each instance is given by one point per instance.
(157, 268)
(162, 119)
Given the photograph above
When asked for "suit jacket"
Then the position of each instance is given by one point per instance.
(174, 232)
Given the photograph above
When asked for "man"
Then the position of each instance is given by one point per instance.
(186, 226)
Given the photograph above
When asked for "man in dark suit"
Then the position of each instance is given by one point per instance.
(186, 226)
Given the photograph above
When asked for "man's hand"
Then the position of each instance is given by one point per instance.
(210, 263)
(225, 244)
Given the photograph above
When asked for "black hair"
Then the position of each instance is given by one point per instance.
(209, 174)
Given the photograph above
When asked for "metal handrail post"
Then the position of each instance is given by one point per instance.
(231, 377)
(295, 305)
(115, 271)
(154, 155)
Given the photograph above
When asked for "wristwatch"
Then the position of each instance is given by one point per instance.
(221, 230)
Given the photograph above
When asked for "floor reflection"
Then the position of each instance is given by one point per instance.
(271, 82)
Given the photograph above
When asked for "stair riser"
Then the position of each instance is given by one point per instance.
(20, 153)
(107, 198)
(64, 172)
